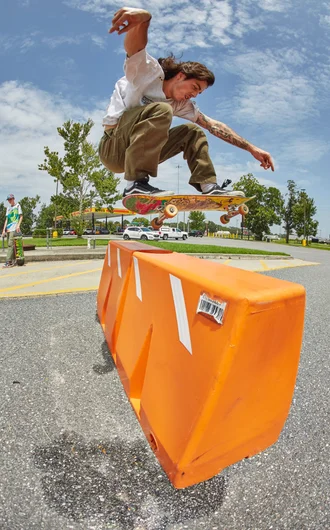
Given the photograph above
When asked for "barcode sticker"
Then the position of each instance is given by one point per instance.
(211, 308)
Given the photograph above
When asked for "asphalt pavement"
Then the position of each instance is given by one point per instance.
(73, 454)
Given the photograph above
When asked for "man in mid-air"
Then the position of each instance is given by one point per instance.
(137, 127)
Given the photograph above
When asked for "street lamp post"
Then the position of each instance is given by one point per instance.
(304, 190)
(56, 204)
(178, 168)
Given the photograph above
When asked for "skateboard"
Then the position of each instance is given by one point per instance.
(168, 206)
(19, 252)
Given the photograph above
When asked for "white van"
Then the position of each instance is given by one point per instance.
(167, 232)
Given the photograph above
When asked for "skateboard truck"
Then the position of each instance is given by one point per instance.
(169, 212)
(242, 210)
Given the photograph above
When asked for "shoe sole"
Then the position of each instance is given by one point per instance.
(156, 194)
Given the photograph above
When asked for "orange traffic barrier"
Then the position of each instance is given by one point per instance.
(104, 287)
(111, 294)
(208, 356)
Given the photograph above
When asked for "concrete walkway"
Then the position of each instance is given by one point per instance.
(75, 269)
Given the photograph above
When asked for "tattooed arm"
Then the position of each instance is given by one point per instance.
(222, 131)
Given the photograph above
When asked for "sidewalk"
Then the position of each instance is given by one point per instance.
(75, 269)
(81, 253)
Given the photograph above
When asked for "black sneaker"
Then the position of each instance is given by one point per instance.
(218, 190)
(142, 187)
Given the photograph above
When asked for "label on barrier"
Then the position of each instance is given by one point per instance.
(211, 308)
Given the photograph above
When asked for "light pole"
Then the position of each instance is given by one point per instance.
(304, 197)
(56, 204)
(178, 168)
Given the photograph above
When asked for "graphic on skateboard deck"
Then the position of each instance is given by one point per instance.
(168, 206)
(19, 252)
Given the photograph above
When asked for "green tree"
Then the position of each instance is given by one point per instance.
(45, 218)
(288, 211)
(303, 212)
(212, 227)
(3, 210)
(265, 209)
(28, 205)
(85, 182)
(141, 221)
(197, 220)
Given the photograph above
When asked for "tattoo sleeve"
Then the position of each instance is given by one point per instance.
(222, 131)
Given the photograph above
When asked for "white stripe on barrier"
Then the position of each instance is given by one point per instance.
(181, 312)
(109, 257)
(137, 278)
(118, 262)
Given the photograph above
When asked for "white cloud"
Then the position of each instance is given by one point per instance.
(272, 91)
(305, 150)
(182, 24)
(29, 118)
(54, 42)
(23, 43)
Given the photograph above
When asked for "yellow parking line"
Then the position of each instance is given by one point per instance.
(292, 266)
(264, 265)
(49, 280)
(226, 261)
(21, 273)
(48, 293)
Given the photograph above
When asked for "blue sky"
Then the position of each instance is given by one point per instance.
(271, 59)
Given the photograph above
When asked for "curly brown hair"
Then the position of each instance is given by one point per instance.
(190, 69)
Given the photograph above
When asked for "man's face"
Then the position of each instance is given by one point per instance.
(183, 89)
(11, 201)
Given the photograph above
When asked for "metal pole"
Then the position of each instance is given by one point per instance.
(303, 190)
(178, 168)
(56, 203)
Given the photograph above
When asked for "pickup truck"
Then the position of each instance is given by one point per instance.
(167, 232)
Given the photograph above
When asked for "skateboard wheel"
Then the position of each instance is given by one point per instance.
(155, 224)
(170, 211)
(243, 209)
(224, 219)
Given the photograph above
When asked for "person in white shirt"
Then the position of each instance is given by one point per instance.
(12, 228)
(137, 127)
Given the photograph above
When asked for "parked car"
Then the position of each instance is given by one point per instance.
(88, 232)
(119, 231)
(138, 232)
(104, 231)
(167, 232)
(196, 233)
(270, 237)
(69, 233)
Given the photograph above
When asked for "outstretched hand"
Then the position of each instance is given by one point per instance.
(127, 18)
(263, 157)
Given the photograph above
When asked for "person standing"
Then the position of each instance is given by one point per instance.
(14, 217)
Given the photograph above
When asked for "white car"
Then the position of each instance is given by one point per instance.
(139, 232)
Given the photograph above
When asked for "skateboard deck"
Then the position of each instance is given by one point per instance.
(19, 252)
(168, 206)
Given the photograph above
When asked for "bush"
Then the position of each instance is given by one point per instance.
(59, 231)
(39, 232)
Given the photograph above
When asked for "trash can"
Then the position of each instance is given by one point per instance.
(304, 242)
(55, 234)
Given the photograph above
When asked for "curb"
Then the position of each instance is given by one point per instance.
(99, 254)
(239, 256)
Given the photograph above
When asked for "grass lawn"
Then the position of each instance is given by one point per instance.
(210, 249)
(297, 244)
(177, 247)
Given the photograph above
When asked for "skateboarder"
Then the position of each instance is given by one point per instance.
(11, 227)
(137, 127)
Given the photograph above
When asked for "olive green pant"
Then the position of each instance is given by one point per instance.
(10, 243)
(143, 139)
